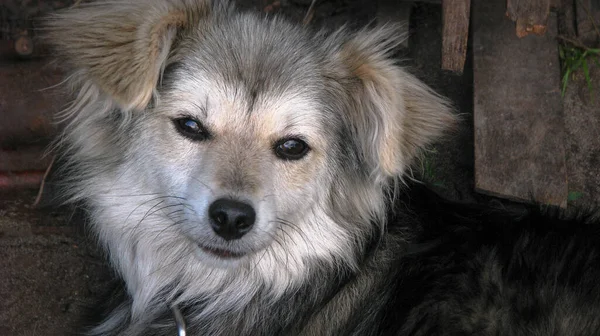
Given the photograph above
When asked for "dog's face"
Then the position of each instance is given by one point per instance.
(256, 142)
(240, 133)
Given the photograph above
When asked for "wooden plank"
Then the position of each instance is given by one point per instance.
(394, 12)
(28, 103)
(565, 13)
(455, 33)
(24, 158)
(588, 21)
(582, 125)
(518, 119)
(531, 16)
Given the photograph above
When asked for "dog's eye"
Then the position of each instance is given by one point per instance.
(191, 128)
(291, 149)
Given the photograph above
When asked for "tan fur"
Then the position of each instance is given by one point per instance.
(124, 45)
(401, 114)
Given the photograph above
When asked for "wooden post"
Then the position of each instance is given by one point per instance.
(455, 34)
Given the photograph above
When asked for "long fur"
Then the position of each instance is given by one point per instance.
(320, 260)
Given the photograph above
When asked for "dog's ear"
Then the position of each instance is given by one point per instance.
(395, 115)
(120, 46)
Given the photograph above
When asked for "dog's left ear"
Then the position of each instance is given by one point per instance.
(394, 115)
(120, 46)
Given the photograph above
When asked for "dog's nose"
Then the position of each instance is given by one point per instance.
(231, 219)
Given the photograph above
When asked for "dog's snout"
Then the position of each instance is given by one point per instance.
(231, 219)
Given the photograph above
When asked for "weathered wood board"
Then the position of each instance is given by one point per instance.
(588, 21)
(455, 33)
(582, 125)
(519, 125)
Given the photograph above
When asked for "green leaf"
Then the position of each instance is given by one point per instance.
(587, 77)
(565, 81)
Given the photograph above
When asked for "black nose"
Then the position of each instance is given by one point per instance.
(231, 219)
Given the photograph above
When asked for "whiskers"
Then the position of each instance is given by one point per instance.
(170, 201)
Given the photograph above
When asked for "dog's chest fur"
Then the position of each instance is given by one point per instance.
(467, 270)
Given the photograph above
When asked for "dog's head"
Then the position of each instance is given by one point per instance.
(261, 140)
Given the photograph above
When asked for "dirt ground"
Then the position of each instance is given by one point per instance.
(49, 269)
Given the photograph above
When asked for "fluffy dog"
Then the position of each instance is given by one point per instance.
(239, 171)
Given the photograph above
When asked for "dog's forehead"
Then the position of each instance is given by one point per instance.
(258, 55)
(246, 72)
(231, 107)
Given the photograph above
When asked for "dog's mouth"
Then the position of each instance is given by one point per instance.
(222, 253)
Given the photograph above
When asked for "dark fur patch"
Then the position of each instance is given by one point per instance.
(495, 272)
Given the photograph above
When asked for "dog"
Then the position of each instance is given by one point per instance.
(248, 176)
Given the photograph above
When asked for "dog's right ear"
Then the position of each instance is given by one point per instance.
(121, 46)
(393, 115)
